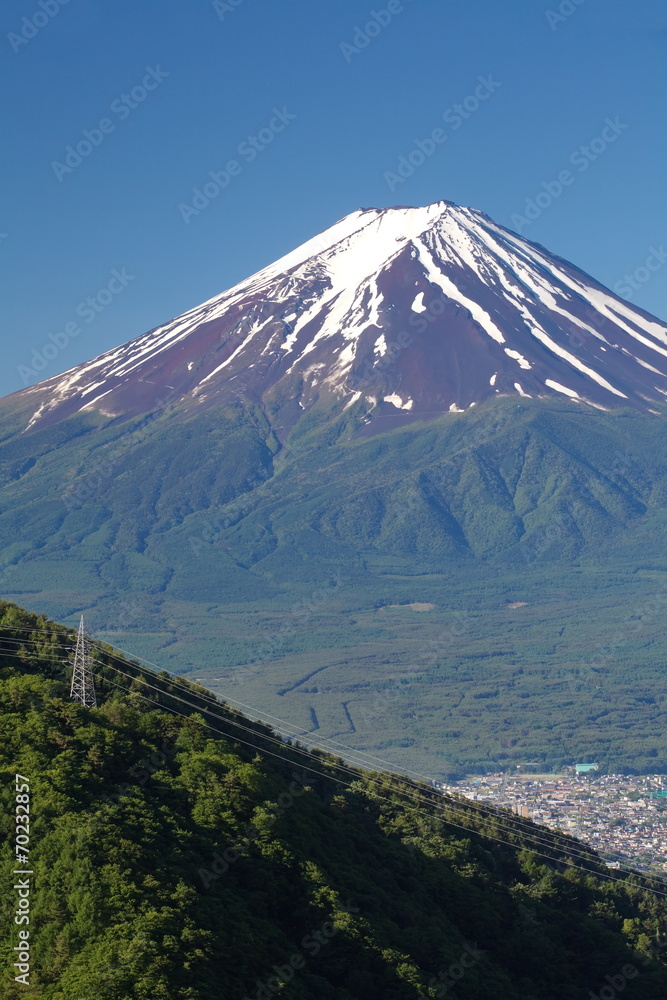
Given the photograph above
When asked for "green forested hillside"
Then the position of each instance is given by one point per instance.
(198, 857)
(532, 537)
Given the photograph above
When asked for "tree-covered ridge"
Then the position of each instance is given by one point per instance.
(198, 857)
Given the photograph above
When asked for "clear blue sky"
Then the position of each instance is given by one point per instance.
(555, 80)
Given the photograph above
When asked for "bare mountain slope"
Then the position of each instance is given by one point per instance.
(412, 310)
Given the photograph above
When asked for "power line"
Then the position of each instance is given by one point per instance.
(433, 814)
(488, 813)
(83, 685)
(527, 830)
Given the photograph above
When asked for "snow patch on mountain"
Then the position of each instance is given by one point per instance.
(397, 401)
(561, 388)
(437, 303)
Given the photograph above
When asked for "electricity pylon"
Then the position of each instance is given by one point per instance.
(83, 686)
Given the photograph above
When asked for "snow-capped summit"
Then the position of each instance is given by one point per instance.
(406, 311)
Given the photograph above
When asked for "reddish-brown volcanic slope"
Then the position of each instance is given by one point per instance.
(415, 311)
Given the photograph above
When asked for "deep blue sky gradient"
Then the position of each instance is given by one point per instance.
(356, 114)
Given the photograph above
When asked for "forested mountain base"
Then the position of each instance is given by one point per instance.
(530, 538)
(197, 857)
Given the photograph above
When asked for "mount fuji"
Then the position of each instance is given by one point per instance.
(406, 486)
(407, 310)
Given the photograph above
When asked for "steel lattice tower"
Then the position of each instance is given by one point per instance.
(83, 686)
